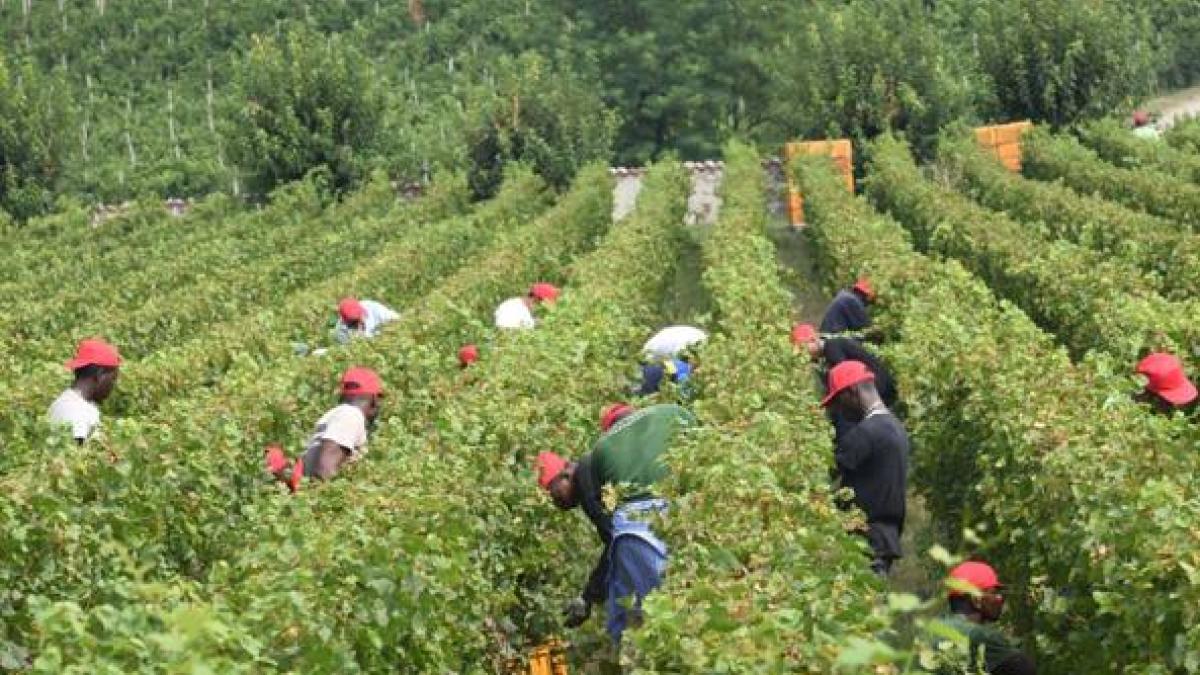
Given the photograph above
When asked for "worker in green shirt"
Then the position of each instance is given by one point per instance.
(626, 459)
(975, 602)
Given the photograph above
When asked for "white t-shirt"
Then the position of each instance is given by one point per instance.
(375, 315)
(513, 313)
(345, 425)
(669, 341)
(1148, 131)
(71, 408)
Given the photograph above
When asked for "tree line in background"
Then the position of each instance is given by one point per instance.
(106, 101)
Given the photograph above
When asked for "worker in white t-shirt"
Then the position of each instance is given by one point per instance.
(1144, 126)
(96, 366)
(361, 318)
(341, 434)
(666, 356)
(672, 341)
(518, 312)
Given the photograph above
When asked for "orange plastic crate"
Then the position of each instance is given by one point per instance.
(1004, 141)
(840, 150)
(547, 659)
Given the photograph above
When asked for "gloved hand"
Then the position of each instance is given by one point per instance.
(576, 612)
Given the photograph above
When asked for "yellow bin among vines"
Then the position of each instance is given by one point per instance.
(842, 153)
(547, 659)
(1004, 141)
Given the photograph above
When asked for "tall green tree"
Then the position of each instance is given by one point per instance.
(1062, 60)
(1176, 37)
(863, 68)
(548, 116)
(305, 101)
(35, 116)
(684, 76)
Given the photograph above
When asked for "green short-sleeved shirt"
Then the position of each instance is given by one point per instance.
(629, 453)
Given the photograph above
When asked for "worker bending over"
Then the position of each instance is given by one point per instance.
(848, 309)
(517, 313)
(667, 356)
(1144, 126)
(361, 318)
(975, 602)
(1167, 386)
(828, 351)
(626, 458)
(95, 366)
(871, 457)
(341, 434)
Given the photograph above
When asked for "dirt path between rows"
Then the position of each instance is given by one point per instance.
(1176, 106)
(704, 201)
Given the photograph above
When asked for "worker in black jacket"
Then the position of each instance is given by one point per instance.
(872, 458)
(828, 351)
(848, 310)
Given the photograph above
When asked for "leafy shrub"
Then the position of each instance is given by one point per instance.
(1087, 299)
(34, 111)
(1049, 157)
(1114, 143)
(1061, 60)
(1158, 247)
(304, 102)
(545, 116)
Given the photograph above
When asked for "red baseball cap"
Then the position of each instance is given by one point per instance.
(359, 381)
(1140, 118)
(467, 355)
(978, 574)
(845, 375)
(351, 310)
(803, 333)
(863, 285)
(549, 466)
(544, 292)
(613, 414)
(94, 352)
(1166, 378)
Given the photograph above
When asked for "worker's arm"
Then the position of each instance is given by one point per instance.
(590, 500)
(853, 448)
(330, 459)
(341, 333)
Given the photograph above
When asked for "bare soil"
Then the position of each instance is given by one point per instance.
(1176, 106)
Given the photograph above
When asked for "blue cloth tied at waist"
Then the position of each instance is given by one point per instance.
(637, 561)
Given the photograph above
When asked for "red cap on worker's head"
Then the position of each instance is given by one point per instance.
(351, 310)
(467, 355)
(543, 292)
(1140, 118)
(549, 466)
(359, 381)
(612, 414)
(978, 574)
(845, 375)
(94, 352)
(803, 333)
(1166, 379)
(863, 285)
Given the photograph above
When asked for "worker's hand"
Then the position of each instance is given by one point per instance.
(576, 612)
